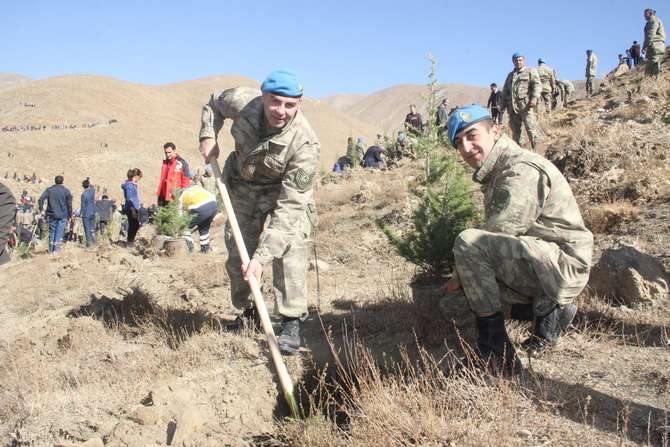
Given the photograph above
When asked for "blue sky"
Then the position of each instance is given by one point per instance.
(336, 46)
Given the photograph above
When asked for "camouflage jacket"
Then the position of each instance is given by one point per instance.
(547, 78)
(591, 65)
(521, 87)
(208, 182)
(568, 87)
(654, 34)
(527, 197)
(271, 171)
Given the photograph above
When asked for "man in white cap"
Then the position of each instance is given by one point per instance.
(269, 174)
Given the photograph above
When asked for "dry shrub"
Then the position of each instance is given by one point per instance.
(607, 217)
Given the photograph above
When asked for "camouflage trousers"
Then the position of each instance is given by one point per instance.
(496, 270)
(654, 56)
(529, 121)
(589, 85)
(289, 273)
(546, 100)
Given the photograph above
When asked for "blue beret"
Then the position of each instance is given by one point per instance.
(540, 61)
(464, 117)
(517, 55)
(282, 83)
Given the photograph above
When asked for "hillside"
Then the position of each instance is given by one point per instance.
(8, 80)
(386, 109)
(100, 127)
(122, 347)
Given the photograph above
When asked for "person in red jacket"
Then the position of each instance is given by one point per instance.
(174, 174)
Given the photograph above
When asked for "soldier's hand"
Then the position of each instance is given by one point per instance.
(253, 268)
(209, 149)
(452, 285)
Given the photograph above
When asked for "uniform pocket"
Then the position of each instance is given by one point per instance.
(273, 166)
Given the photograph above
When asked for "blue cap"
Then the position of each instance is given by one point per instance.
(540, 61)
(464, 117)
(282, 83)
(516, 55)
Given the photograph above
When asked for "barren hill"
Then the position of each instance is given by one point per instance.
(100, 127)
(11, 79)
(387, 108)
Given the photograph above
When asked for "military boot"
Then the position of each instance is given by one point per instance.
(494, 348)
(248, 319)
(548, 328)
(289, 340)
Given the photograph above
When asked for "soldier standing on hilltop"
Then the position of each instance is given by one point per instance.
(269, 174)
(654, 42)
(533, 251)
(591, 65)
(521, 94)
(548, 80)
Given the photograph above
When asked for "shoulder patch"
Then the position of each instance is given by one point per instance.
(303, 180)
(499, 201)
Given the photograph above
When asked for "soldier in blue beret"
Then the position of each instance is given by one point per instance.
(270, 174)
(533, 253)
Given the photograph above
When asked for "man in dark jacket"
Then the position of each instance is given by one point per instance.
(495, 104)
(103, 208)
(7, 216)
(87, 211)
(374, 158)
(413, 122)
(635, 51)
(58, 212)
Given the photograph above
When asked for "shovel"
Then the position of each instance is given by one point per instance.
(277, 359)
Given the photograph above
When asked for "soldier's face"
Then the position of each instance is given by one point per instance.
(279, 110)
(519, 62)
(475, 142)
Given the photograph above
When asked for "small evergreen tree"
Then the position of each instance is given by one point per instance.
(169, 222)
(446, 208)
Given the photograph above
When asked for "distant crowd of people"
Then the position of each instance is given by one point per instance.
(95, 218)
(60, 126)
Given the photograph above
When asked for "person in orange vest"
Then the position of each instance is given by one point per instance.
(174, 174)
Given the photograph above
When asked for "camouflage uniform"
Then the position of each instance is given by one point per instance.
(565, 89)
(269, 174)
(209, 183)
(590, 73)
(654, 44)
(548, 80)
(533, 246)
(355, 154)
(522, 87)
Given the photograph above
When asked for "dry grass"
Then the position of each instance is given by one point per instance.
(608, 217)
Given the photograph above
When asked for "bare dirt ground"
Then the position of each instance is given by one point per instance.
(123, 347)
